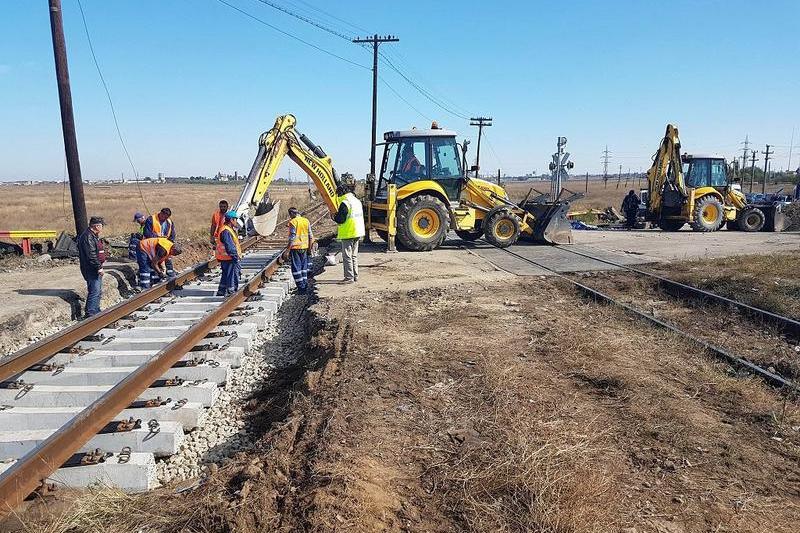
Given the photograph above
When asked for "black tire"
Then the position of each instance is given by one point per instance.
(708, 214)
(671, 225)
(751, 219)
(501, 228)
(419, 212)
(469, 235)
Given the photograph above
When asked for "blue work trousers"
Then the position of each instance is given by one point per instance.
(94, 291)
(145, 272)
(300, 269)
(229, 282)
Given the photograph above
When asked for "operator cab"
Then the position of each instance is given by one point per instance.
(705, 171)
(421, 154)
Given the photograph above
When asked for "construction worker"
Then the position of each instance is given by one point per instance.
(161, 225)
(92, 256)
(301, 237)
(217, 221)
(630, 206)
(409, 164)
(133, 242)
(229, 254)
(152, 256)
(350, 218)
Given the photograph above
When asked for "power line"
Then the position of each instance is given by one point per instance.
(420, 113)
(306, 19)
(296, 38)
(359, 28)
(111, 105)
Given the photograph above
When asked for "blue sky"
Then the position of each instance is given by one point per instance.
(195, 82)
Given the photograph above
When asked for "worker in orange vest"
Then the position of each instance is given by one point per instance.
(217, 221)
(229, 254)
(152, 257)
(160, 225)
(301, 237)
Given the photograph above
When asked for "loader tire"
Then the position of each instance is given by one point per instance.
(671, 225)
(708, 214)
(751, 219)
(422, 223)
(501, 229)
(469, 235)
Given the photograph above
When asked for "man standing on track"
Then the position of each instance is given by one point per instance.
(217, 221)
(229, 254)
(301, 237)
(92, 256)
(152, 257)
(161, 225)
(350, 218)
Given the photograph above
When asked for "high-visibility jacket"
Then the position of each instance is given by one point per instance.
(353, 227)
(221, 253)
(149, 246)
(218, 221)
(161, 229)
(301, 227)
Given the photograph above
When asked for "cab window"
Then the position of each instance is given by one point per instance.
(412, 164)
(388, 166)
(445, 159)
(697, 173)
(719, 177)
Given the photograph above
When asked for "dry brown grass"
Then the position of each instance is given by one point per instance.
(48, 206)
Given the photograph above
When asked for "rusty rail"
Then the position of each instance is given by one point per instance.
(27, 473)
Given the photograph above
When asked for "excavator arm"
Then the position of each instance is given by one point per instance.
(666, 174)
(273, 146)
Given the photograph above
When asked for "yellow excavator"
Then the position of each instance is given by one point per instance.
(423, 192)
(695, 189)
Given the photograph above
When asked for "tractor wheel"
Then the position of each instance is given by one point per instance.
(501, 228)
(708, 214)
(751, 219)
(469, 235)
(671, 225)
(422, 223)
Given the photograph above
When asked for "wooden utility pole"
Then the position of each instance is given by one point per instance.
(481, 122)
(752, 169)
(766, 169)
(67, 118)
(375, 40)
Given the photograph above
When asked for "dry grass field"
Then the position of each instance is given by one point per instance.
(48, 206)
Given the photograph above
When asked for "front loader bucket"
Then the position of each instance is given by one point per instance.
(551, 224)
(265, 222)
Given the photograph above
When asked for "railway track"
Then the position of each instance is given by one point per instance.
(786, 325)
(99, 401)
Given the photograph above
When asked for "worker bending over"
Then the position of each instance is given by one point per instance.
(229, 254)
(217, 221)
(630, 206)
(161, 225)
(152, 257)
(301, 237)
(350, 218)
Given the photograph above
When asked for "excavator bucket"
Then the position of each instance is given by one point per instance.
(266, 218)
(551, 225)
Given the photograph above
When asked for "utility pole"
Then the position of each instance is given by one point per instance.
(746, 148)
(605, 167)
(619, 176)
(586, 189)
(791, 145)
(481, 122)
(498, 176)
(67, 118)
(375, 40)
(766, 169)
(752, 169)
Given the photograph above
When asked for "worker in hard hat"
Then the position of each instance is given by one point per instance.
(152, 257)
(229, 254)
(350, 220)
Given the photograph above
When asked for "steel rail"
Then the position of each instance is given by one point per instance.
(785, 324)
(27, 473)
(713, 349)
(42, 350)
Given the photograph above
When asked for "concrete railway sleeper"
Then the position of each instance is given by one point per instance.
(718, 352)
(99, 403)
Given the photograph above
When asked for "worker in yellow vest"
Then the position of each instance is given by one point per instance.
(160, 225)
(350, 218)
(152, 256)
(301, 237)
(229, 254)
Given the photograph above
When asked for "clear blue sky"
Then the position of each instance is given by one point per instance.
(195, 82)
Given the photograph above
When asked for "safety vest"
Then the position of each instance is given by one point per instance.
(353, 227)
(300, 225)
(220, 253)
(161, 229)
(218, 221)
(148, 246)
